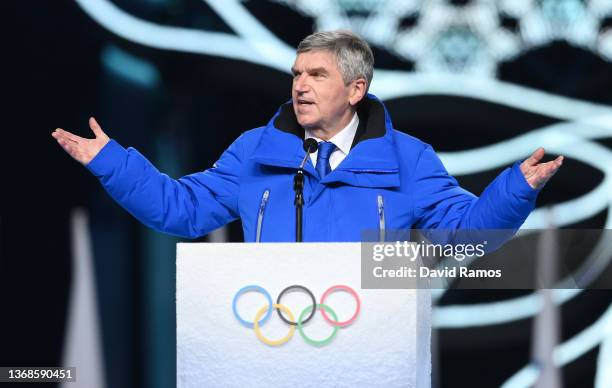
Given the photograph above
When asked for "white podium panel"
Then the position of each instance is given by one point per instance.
(387, 345)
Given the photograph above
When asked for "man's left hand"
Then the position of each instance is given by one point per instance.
(536, 173)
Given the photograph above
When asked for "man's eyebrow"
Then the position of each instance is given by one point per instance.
(317, 70)
(313, 70)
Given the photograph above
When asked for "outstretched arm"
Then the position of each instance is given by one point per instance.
(191, 206)
(504, 204)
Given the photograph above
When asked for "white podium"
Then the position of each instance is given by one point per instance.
(386, 345)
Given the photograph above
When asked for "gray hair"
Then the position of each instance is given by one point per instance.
(353, 54)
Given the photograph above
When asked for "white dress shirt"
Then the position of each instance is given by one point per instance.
(343, 141)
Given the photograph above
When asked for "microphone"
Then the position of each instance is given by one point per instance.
(310, 146)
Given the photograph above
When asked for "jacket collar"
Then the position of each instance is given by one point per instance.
(372, 161)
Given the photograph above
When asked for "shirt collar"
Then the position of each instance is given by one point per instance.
(343, 139)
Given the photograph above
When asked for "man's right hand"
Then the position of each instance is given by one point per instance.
(81, 149)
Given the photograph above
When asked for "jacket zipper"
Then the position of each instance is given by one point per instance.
(381, 218)
(260, 215)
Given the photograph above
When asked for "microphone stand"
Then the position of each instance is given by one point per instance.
(298, 187)
(310, 146)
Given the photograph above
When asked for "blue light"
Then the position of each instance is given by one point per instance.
(130, 67)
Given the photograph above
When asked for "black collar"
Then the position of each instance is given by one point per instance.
(371, 120)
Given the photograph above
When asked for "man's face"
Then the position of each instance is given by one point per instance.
(320, 97)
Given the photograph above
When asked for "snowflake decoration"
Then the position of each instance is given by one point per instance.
(440, 36)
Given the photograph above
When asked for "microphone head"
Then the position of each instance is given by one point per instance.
(310, 145)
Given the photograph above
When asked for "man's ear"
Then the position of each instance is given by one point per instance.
(358, 90)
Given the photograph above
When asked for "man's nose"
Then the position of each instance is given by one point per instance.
(300, 84)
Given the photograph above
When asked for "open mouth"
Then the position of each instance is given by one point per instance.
(304, 102)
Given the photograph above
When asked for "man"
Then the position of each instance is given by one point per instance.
(365, 175)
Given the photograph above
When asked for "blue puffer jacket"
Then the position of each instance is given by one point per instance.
(389, 180)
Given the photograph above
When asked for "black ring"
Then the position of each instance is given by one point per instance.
(298, 287)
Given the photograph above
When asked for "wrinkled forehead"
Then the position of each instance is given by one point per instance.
(314, 59)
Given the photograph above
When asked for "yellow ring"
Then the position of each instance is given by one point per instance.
(267, 341)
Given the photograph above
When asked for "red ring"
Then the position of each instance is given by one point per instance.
(341, 288)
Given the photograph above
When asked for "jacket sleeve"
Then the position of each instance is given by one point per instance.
(440, 203)
(191, 206)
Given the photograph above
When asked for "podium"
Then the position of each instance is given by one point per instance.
(378, 337)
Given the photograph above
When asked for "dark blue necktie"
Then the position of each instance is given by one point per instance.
(325, 150)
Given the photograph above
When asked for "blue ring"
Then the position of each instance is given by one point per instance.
(244, 289)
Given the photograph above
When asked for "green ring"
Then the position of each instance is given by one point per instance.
(309, 340)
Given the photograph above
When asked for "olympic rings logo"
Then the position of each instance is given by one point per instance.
(306, 315)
